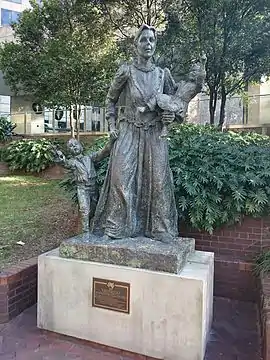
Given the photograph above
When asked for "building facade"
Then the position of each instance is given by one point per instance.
(10, 12)
(92, 119)
(255, 110)
(11, 9)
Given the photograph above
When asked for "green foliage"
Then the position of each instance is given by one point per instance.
(29, 155)
(103, 164)
(219, 177)
(64, 53)
(233, 34)
(128, 15)
(6, 129)
(2, 153)
(68, 184)
(262, 265)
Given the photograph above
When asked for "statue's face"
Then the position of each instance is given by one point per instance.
(75, 148)
(196, 72)
(146, 44)
(193, 75)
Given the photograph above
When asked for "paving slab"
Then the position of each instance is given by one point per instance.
(234, 336)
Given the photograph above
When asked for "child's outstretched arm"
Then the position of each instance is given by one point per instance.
(60, 158)
(104, 152)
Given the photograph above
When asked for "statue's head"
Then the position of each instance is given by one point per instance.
(74, 146)
(145, 41)
(197, 72)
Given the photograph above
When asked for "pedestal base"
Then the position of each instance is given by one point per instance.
(170, 314)
(140, 252)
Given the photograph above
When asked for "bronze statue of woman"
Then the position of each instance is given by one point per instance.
(137, 198)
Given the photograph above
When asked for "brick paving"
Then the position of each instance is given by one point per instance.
(234, 336)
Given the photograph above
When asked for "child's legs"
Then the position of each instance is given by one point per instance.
(84, 200)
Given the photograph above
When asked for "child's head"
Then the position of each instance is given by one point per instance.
(197, 72)
(74, 146)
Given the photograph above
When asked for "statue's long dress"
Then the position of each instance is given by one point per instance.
(137, 198)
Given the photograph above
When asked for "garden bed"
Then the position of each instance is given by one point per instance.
(54, 172)
(4, 170)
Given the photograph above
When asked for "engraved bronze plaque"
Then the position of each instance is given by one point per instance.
(111, 295)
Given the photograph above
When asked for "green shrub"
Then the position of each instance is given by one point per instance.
(219, 177)
(262, 264)
(29, 155)
(2, 153)
(103, 164)
(6, 129)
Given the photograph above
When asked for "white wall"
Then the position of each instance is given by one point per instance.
(14, 6)
(265, 103)
(258, 107)
(24, 117)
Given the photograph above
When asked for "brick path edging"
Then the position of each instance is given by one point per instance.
(18, 289)
(264, 308)
(235, 247)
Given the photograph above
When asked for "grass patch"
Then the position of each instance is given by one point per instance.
(35, 216)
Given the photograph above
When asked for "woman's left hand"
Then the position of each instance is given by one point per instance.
(114, 134)
(167, 117)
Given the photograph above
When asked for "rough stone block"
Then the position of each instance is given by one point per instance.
(142, 253)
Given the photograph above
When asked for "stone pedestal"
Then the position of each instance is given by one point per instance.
(140, 252)
(169, 314)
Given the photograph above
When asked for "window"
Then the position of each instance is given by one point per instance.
(8, 16)
(15, 1)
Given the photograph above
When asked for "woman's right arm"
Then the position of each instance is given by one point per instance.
(115, 90)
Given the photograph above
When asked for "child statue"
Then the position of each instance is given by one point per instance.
(186, 91)
(83, 169)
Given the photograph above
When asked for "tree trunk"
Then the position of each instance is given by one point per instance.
(212, 105)
(245, 106)
(71, 122)
(222, 106)
(148, 15)
(78, 115)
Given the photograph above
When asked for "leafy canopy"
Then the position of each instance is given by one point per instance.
(234, 34)
(63, 54)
